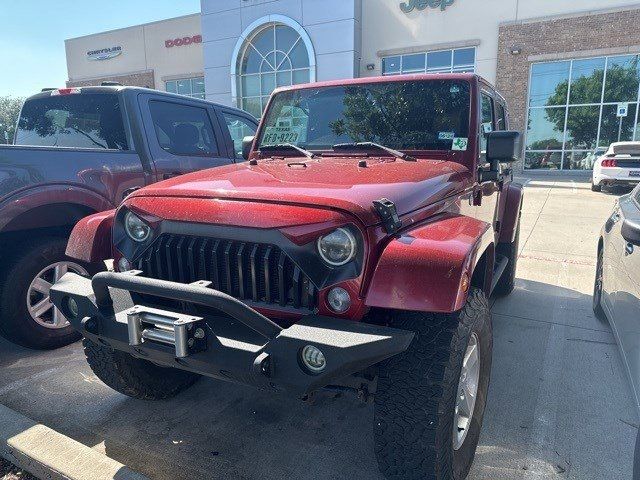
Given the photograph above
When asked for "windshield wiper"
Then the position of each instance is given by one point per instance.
(290, 146)
(395, 153)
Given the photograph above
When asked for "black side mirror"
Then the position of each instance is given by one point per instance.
(631, 232)
(503, 147)
(247, 143)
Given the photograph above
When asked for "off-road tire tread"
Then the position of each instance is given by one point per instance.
(417, 389)
(135, 377)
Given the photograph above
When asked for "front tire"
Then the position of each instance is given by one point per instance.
(135, 377)
(418, 399)
(27, 317)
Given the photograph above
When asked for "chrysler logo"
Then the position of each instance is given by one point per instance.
(104, 53)
(411, 5)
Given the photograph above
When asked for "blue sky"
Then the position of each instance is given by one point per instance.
(32, 34)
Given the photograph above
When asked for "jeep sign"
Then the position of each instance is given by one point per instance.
(179, 42)
(411, 5)
(104, 53)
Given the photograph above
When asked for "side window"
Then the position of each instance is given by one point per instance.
(239, 128)
(501, 119)
(486, 121)
(183, 129)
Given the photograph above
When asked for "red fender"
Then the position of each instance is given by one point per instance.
(90, 239)
(426, 268)
(510, 206)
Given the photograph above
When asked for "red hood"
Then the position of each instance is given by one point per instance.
(335, 182)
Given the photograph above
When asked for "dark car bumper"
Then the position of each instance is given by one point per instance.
(235, 343)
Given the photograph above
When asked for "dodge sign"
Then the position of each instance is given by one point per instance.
(179, 42)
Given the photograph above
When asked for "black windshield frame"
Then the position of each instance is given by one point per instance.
(394, 114)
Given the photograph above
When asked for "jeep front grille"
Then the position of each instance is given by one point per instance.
(255, 272)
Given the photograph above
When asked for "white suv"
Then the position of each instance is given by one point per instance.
(620, 165)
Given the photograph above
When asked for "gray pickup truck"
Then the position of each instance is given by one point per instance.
(80, 151)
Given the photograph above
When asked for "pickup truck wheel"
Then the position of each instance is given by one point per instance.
(135, 377)
(27, 317)
(430, 400)
(507, 281)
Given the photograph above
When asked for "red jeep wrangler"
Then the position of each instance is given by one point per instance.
(356, 249)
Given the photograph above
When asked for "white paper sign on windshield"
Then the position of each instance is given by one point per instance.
(281, 134)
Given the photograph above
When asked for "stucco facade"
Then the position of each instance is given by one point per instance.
(149, 55)
(332, 27)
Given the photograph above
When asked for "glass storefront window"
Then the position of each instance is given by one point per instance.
(546, 129)
(582, 127)
(614, 128)
(543, 160)
(622, 79)
(190, 87)
(586, 81)
(573, 108)
(440, 61)
(549, 84)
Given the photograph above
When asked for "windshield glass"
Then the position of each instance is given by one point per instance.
(407, 115)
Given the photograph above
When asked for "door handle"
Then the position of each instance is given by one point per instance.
(628, 249)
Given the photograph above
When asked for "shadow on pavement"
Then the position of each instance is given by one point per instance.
(550, 373)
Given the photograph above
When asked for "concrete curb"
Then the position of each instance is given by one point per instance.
(50, 455)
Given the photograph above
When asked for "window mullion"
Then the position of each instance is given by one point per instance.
(566, 117)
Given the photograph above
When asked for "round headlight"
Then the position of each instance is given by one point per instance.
(136, 228)
(338, 247)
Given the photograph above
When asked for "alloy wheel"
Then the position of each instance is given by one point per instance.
(467, 392)
(39, 305)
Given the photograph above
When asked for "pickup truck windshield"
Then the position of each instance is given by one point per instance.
(411, 115)
(86, 120)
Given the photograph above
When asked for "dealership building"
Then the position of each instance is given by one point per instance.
(165, 55)
(569, 70)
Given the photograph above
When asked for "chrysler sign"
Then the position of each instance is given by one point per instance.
(179, 42)
(104, 53)
(411, 5)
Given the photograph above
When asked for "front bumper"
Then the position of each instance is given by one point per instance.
(235, 343)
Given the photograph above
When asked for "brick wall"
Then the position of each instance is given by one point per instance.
(143, 79)
(554, 39)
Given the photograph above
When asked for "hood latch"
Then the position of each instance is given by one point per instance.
(388, 214)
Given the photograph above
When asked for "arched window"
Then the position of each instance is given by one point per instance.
(274, 55)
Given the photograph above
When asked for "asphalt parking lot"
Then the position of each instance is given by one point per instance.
(559, 403)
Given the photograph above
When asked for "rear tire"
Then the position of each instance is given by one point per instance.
(135, 377)
(24, 265)
(595, 188)
(507, 281)
(418, 392)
